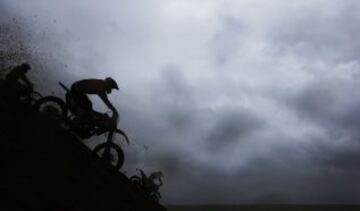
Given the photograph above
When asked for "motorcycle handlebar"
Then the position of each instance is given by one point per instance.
(64, 87)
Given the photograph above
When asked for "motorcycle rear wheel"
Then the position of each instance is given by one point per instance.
(51, 106)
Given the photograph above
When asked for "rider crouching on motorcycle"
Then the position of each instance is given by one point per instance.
(79, 91)
(17, 81)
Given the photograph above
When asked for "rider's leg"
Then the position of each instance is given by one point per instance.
(16, 90)
(80, 106)
(102, 122)
(22, 90)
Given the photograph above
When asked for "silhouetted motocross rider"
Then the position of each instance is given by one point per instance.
(80, 89)
(17, 81)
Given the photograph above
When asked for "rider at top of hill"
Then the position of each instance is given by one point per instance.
(18, 73)
(17, 81)
(80, 89)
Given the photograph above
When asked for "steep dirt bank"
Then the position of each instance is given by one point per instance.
(44, 167)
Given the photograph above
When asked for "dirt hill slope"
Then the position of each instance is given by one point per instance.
(44, 167)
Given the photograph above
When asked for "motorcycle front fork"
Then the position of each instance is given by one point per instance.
(106, 154)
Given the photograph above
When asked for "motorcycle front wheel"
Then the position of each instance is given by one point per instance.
(116, 157)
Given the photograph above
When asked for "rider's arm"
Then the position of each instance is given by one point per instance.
(143, 175)
(105, 99)
(26, 80)
(161, 182)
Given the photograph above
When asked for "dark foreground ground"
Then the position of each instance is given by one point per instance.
(267, 208)
(44, 167)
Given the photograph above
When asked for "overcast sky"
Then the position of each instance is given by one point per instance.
(235, 101)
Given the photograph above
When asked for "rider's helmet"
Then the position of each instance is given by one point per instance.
(111, 83)
(26, 66)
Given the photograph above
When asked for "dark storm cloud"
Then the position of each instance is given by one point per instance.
(344, 157)
(231, 126)
(306, 181)
(176, 85)
(329, 102)
(332, 105)
(334, 110)
(269, 179)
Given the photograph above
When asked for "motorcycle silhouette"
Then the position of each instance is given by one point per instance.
(147, 184)
(84, 127)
